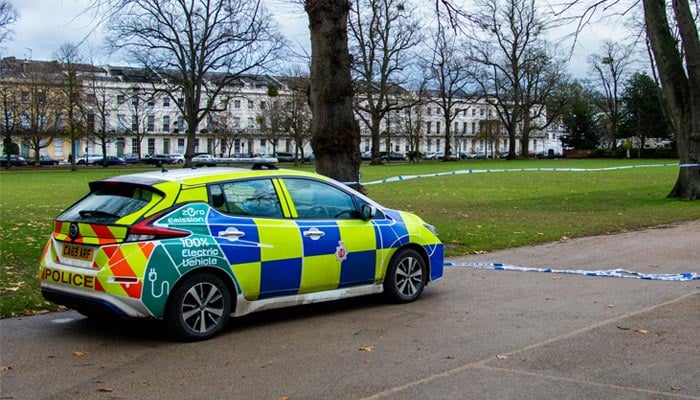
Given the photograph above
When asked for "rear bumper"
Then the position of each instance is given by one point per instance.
(93, 303)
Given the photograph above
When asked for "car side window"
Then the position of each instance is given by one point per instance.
(253, 198)
(319, 200)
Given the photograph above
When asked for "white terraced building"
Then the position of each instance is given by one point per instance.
(245, 123)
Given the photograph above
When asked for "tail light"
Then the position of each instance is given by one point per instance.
(145, 230)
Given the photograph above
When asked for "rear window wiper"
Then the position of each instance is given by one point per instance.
(97, 214)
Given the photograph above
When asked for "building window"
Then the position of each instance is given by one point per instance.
(134, 123)
(135, 146)
(151, 146)
(251, 124)
(180, 102)
(263, 105)
(428, 126)
(181, 124)
(120, 99)
(250, 104)
(166, 123)
(237, 104)
(166, 101)
(151, 123)
(437, 127)
(181, 145)
(25, 97)
(166, 145)
(151, 102)
(121, 122)
(473, 128)
(236, 123)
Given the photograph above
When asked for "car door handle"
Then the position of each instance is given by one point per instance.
(314, 233)
(231, 234)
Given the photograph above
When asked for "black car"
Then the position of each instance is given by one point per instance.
(111, 160)
(284, 156)
(45, 160)
(159, 159)
(15, 160)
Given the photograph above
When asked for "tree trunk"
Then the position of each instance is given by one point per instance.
(681, 91)
(336, 133)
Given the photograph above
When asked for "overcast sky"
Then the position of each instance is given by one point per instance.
(44, 25)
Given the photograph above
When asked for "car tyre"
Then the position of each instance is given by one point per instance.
(405, 276)
(198, 308)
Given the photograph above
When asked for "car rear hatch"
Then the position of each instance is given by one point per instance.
(102, 217)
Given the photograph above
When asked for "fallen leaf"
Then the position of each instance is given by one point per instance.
(623, 328)
(366, 348)
(641, 331)
(676, 388)
(611, 305)
(501, 356)
(105, 390)
(80, 353)
(5, 368)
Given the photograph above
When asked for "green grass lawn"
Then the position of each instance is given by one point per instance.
(473, 213)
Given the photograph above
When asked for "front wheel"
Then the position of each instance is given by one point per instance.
(199, 307)
(405, 276)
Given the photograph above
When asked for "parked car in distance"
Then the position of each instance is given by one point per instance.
(394, 156)
(15, 160)
(203, 160)
(179, 158)
(131, 158)
(430, 156)
(159, 159)
(283, 156)
(110, 160)
(88, 159)
(44, 160)
(195, 246)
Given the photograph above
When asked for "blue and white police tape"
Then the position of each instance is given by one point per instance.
(480, 171)
(612, 273)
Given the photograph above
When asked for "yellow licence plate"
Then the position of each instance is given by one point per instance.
(77, 252)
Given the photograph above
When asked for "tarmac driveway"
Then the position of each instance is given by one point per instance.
(476, 334)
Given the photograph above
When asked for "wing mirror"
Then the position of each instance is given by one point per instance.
(367, 212)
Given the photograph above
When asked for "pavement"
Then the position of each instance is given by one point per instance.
(475, 334)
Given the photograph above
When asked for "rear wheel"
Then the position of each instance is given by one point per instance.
(405, 276)
(199, 307)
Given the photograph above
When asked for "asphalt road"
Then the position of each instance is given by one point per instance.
(476, 334)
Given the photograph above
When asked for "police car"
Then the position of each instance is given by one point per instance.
(196, 246)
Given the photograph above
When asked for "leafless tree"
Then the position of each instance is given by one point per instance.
(71, 88)
(8, 16)
(198, 47)
(97, 107)
(610, 71)
(40, 107)
(449, 73)
(382, 35)
(297, 115)
(507, 46)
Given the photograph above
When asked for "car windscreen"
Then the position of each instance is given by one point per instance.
(107, 203)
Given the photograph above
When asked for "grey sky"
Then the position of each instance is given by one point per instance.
(46, 24)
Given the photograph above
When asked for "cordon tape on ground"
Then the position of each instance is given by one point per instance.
(613, 273)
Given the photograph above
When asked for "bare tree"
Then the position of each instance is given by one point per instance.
(71, 88)
(449, 72)
(8, 16)
(507, 47)
(336, 133)
(297, 115)
(40, 107)
(97, 106)
(198, 47)
(382, 33)
(610, 70)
